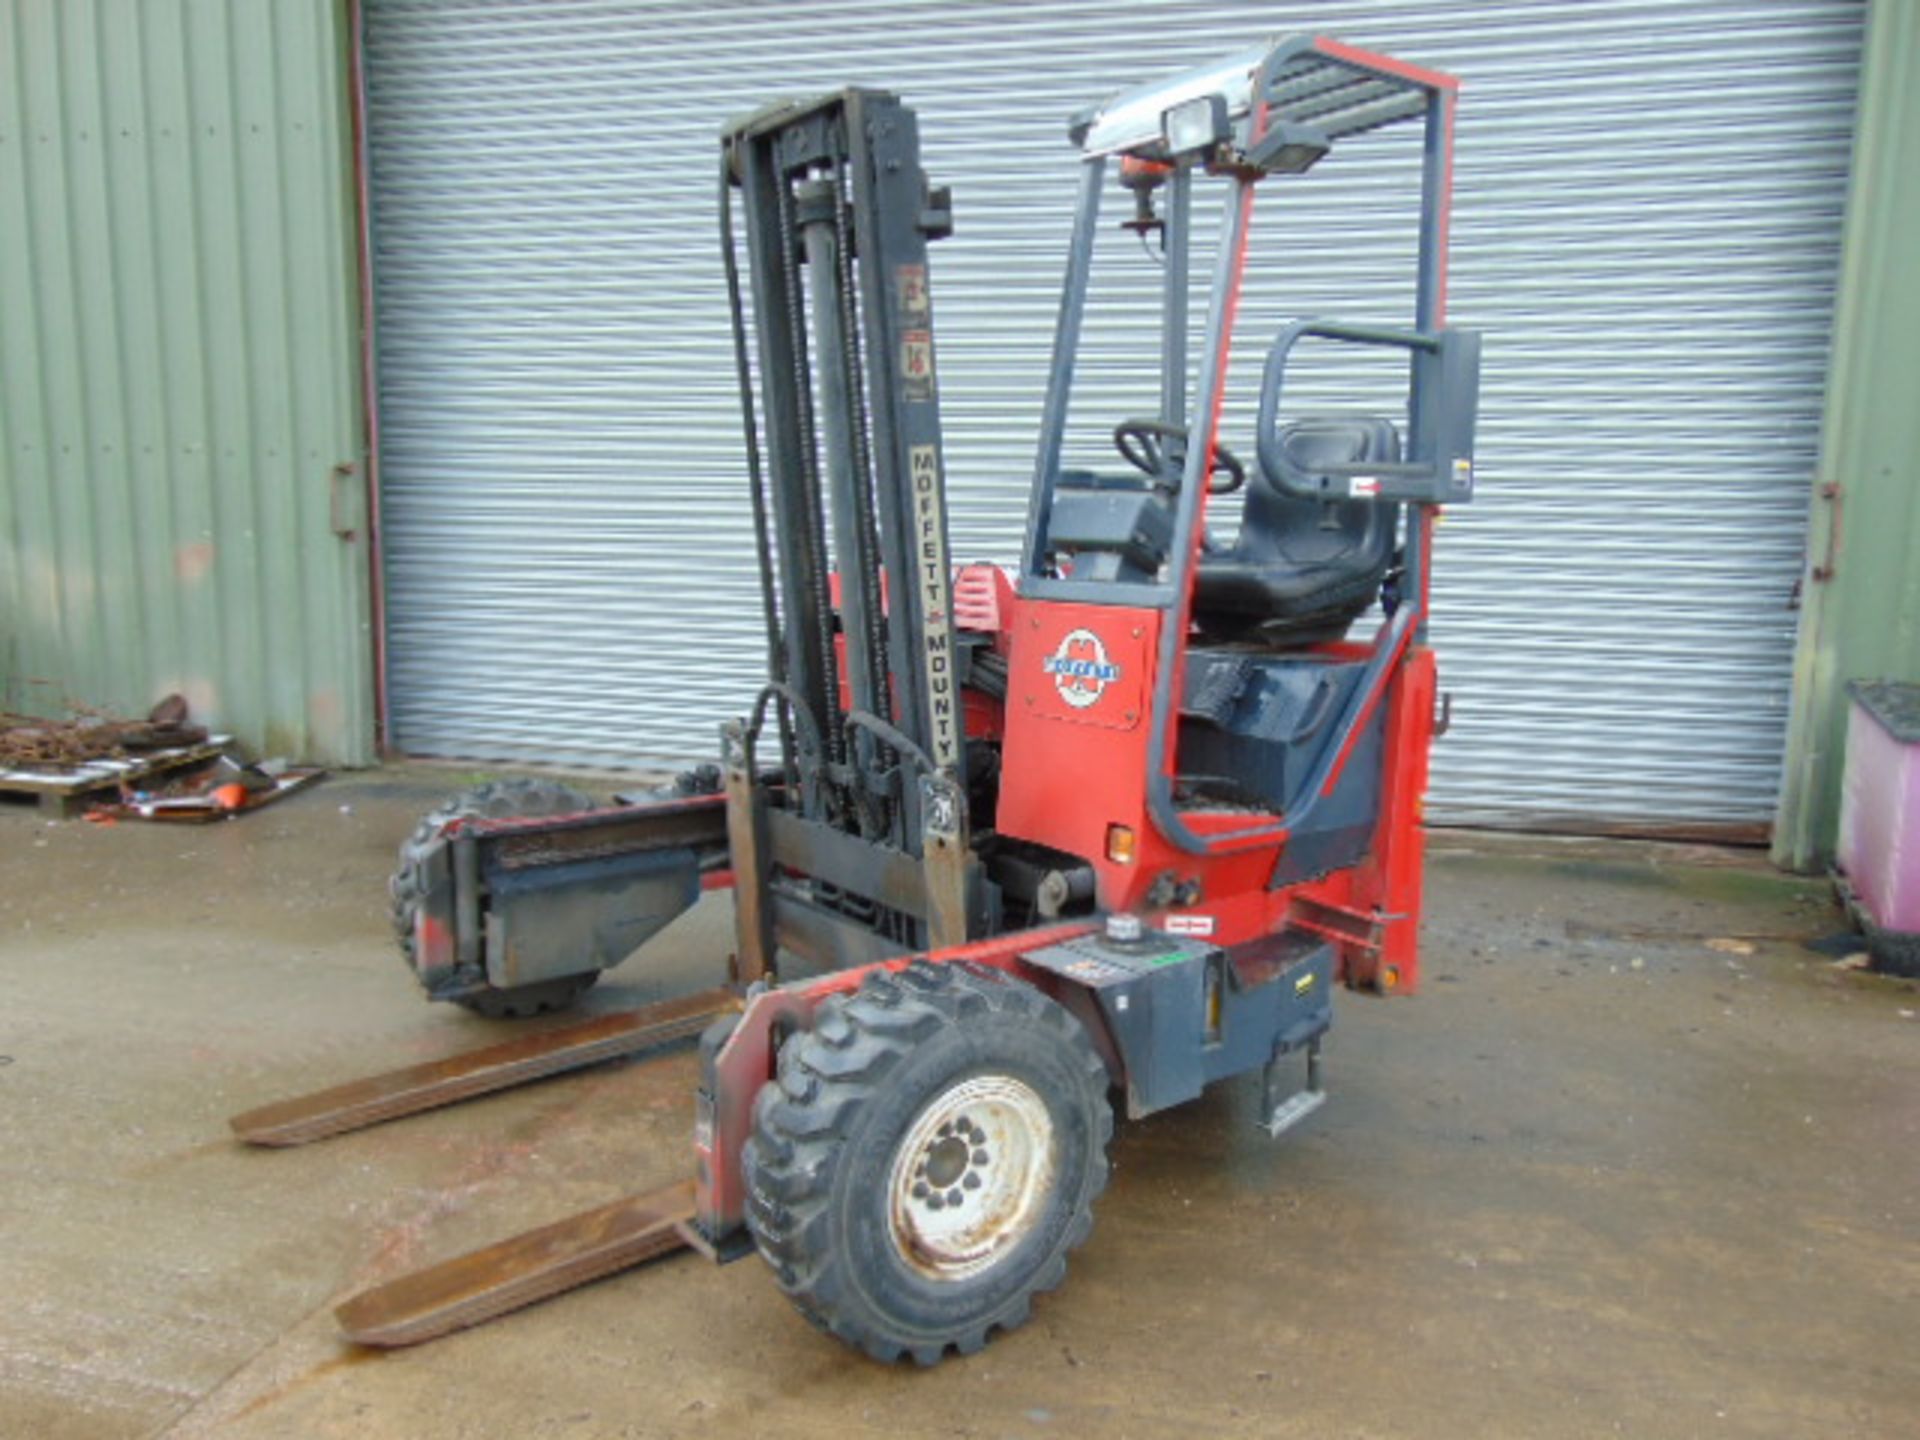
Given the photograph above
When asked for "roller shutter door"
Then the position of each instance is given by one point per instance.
(1647, 218)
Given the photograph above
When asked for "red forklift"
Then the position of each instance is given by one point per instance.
(1007, 853)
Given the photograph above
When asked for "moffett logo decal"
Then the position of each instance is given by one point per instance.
(1080, 669)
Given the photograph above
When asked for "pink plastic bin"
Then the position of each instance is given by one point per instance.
(1880, 809)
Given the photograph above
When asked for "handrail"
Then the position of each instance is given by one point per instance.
(1275, 463)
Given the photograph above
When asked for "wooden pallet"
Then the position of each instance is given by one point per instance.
(65, 793)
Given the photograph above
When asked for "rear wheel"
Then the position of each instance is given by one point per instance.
(498, 800)
(927, 1157)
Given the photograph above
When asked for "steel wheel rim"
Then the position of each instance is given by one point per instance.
(970, 1178)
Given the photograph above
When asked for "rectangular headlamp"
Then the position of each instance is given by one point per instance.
(1195, 125)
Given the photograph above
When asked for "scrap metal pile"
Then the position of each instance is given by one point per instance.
(32, 741)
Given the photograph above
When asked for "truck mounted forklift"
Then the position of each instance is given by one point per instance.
(1006, 853)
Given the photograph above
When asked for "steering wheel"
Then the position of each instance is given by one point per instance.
(1140, 445)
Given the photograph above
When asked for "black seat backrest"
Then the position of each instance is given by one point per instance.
(1311, 534)
(1301, 569)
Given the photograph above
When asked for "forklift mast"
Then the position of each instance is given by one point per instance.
(835, 363)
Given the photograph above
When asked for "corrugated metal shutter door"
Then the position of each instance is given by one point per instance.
(1647, 223)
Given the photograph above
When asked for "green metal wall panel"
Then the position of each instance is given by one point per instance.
(178, 331)
(1861, 615)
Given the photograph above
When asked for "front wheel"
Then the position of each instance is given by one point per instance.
(497, 800)
(927, 1157)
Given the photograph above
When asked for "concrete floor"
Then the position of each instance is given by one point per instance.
(1598, 1177)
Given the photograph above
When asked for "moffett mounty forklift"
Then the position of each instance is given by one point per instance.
(1001, 850)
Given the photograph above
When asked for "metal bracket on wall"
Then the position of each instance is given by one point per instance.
(1831, 492)
(339, 488)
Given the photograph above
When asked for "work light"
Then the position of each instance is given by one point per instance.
(1195, 125)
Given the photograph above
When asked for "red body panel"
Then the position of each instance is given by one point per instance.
(981, 596)
(1075, 762)
(1075, 759)
(1389, 880)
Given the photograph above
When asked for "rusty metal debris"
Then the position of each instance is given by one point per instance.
(89, 733)
(219, 792)
(414, 1088)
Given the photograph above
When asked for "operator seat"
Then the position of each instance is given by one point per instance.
(1301, 570)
